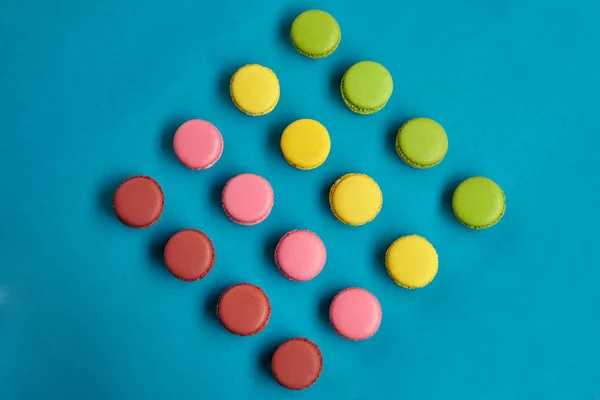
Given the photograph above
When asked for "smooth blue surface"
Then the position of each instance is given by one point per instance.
(91, 92)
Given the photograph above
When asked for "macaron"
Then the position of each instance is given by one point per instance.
(411, 262)
(355, 314)
(244, 309)
(189, 255)
(300, 255)
(297, 363)
(478, 203)
(254, 89)
(247, 199)
(138, 202)
(315, 34)
(366, 87)
(422, 143)
(198, 144)
(305, 144)
(355, 199)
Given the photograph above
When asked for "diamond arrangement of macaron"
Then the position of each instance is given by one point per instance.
(355, 199)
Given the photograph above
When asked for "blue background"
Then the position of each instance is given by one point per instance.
(92, 92)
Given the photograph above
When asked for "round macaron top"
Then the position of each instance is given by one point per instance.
(355, 314)
(198, 144)
(478, 203)
(366, 87)
(422, 143)
(254, 89)
(300, 255)
(355, 199)
(411, 261)
(247, 199)
(189, 255)
(315, 34)
(138, 202)
(305, 144)
(244, 309)
(297, 363)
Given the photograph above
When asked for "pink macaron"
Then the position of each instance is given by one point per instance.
(198, 144)
(247, 199)
(300, 255)
(355, 314)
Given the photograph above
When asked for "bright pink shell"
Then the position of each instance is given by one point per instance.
(300, 255)
(355, 314)
(198, 144)
(247, 199)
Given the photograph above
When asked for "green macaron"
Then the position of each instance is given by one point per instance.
(315, 34)
(422, 143)
(366, 87)
(478, 203)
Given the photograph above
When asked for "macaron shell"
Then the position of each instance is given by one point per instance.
(355, 199)
(355, 314)
(254, 89)
(244, 309)
(198, 144)
(189, 255)
(297, 363)
(315, 34)
(138, 202)
(247, 199)
(478, 203)
(366, 87)
(422, 143)
(411, 261)
(300, 255)
(305, 144)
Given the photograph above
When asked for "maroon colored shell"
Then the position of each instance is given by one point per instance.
(244, 309)
(189, 255)
(138, 202)
(297, 363)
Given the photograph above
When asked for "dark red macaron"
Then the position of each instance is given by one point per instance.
(244, 309)
(297, 363)
(189, 255)
(138, 202)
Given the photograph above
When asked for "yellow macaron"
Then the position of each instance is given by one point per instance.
(254, 89)
(355, 199)
(305, 144)
(411, 262)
